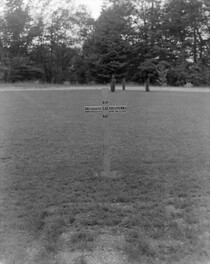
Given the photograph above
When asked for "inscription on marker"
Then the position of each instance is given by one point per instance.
(118, 108)
(93, 109)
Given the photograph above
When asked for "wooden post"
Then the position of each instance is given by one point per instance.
(105, 112)
(106, 109)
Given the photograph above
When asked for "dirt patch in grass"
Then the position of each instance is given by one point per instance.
(84, 246)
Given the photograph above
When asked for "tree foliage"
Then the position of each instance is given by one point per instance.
(169, 41)
(41, 45)
(108, 49)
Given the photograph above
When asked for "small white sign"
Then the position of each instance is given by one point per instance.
(112, 109)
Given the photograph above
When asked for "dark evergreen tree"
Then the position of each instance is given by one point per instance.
(108, 49)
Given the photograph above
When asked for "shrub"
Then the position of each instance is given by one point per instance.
(176, 77)
(162, 73)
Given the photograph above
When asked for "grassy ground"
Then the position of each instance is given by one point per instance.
(51, 194)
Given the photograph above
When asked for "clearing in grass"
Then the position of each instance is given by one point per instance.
(54, 207)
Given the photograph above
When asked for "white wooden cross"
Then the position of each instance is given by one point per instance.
(106, 109)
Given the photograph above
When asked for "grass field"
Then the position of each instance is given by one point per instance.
(54, 204)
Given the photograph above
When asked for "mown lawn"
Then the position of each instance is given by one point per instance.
(51, 153)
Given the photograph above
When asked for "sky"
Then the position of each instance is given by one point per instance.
(93, 5)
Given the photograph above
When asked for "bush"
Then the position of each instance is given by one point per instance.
(176, 77)
(162, 73)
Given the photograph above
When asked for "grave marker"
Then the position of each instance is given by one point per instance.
(105, 109)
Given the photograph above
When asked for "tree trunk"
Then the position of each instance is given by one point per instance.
(113, 83)
(147, 84)
(123, 84)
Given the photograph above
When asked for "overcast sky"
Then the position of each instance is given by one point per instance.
(93, 5)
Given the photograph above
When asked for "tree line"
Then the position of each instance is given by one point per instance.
(165, 41)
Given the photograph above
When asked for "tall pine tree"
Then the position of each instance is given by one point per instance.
(108, 49)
